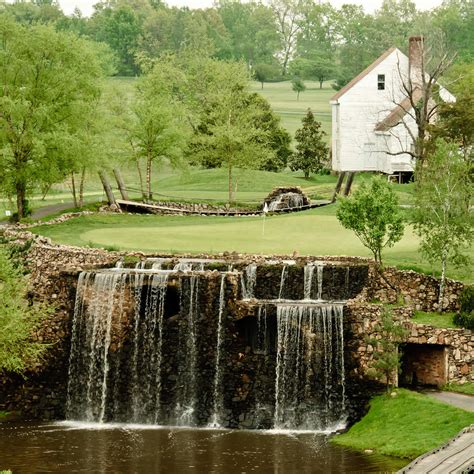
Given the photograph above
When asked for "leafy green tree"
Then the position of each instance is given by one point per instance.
(18, 319)
(120, 27)
(311, 150)
(49, 80)
(372, 213)
(386, 354)
(229, 136)
(316, 67)
(298, 86)
(442, 209)
(155, 128)
(264, 73)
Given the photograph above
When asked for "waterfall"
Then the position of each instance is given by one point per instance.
(248, 281)
(308, 280)
(282, 282)
(147, 346)
(184, 410)
(319, 275)
(310, 381)
(88, 387)
(218, 396)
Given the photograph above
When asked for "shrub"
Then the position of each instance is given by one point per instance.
(466, 299)
(464, 320)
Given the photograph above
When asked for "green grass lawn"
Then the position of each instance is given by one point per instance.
(314, 232)
(405, 426)
(438, 320)
(466, 388)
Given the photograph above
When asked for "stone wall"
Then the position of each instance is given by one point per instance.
(418, 290)
(457, 344)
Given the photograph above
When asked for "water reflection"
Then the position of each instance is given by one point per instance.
(67, 448)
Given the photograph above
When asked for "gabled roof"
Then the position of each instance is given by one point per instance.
(364, 73)
(398, 112)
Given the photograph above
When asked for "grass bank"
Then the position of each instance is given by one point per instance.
(466, 388)
(313, 232)
(405, 426)
(438, 320)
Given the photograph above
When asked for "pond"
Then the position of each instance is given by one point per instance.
(68, 447)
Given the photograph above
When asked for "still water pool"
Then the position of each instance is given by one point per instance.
(76, 447)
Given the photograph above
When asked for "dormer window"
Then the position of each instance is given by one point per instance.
(381, 82)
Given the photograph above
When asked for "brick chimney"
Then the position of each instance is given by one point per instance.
(415, 56)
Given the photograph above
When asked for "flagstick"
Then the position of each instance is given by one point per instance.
(265, 210)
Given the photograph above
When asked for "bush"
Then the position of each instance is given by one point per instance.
(466, 299)
(464, 320)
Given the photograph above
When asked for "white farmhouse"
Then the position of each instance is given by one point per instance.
(371, 128)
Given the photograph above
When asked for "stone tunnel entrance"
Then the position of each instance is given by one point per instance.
(423, 364)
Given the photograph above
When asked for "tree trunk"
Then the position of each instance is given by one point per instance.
(148, 178)
(107, 189)
(21, 204)
(442, 282)
(81, 187)
(262, 85)
(306, 174)
(298, 96)
(140, 177)
(231, 194)
(121, 184)
(321, 84)
(74, 195)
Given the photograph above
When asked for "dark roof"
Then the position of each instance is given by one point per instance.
(364, 73)
(398, 112)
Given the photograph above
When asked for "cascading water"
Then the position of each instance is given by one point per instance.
(248, 280)
(310, 381)
(160, 346)
(218, 407)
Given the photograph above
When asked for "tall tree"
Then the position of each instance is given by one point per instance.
(287, 14)
(228, 136)
(49, 80)
(298, 86)
(311, 150)
(442, 209)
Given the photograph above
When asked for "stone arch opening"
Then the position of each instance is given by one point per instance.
(423, 365)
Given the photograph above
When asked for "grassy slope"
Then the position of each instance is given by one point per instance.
(405, 426)
(438, 320)
(314, 232)
(466, 388)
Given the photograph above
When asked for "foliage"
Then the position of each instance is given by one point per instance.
(466, 299)
(442, 217)
(386, 354)
(406, 425)
(264, 72)
(18, 319)
(372, 213)
(311, 150)
(464, 320)
(49, 80)
(298, 86)
(227, 136)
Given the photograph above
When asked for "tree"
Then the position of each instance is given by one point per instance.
(316, 67)
(154, 126)
(311, 149)
(49, 80)
(442, 216)
(287, 14)
(298, 86)
(18, 319)
(264, 72)
(227, 136)
(386, 355)
(372, 213)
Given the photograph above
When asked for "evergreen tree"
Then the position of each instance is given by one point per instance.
(311, 151)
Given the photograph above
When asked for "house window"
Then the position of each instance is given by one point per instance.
(381, 82)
